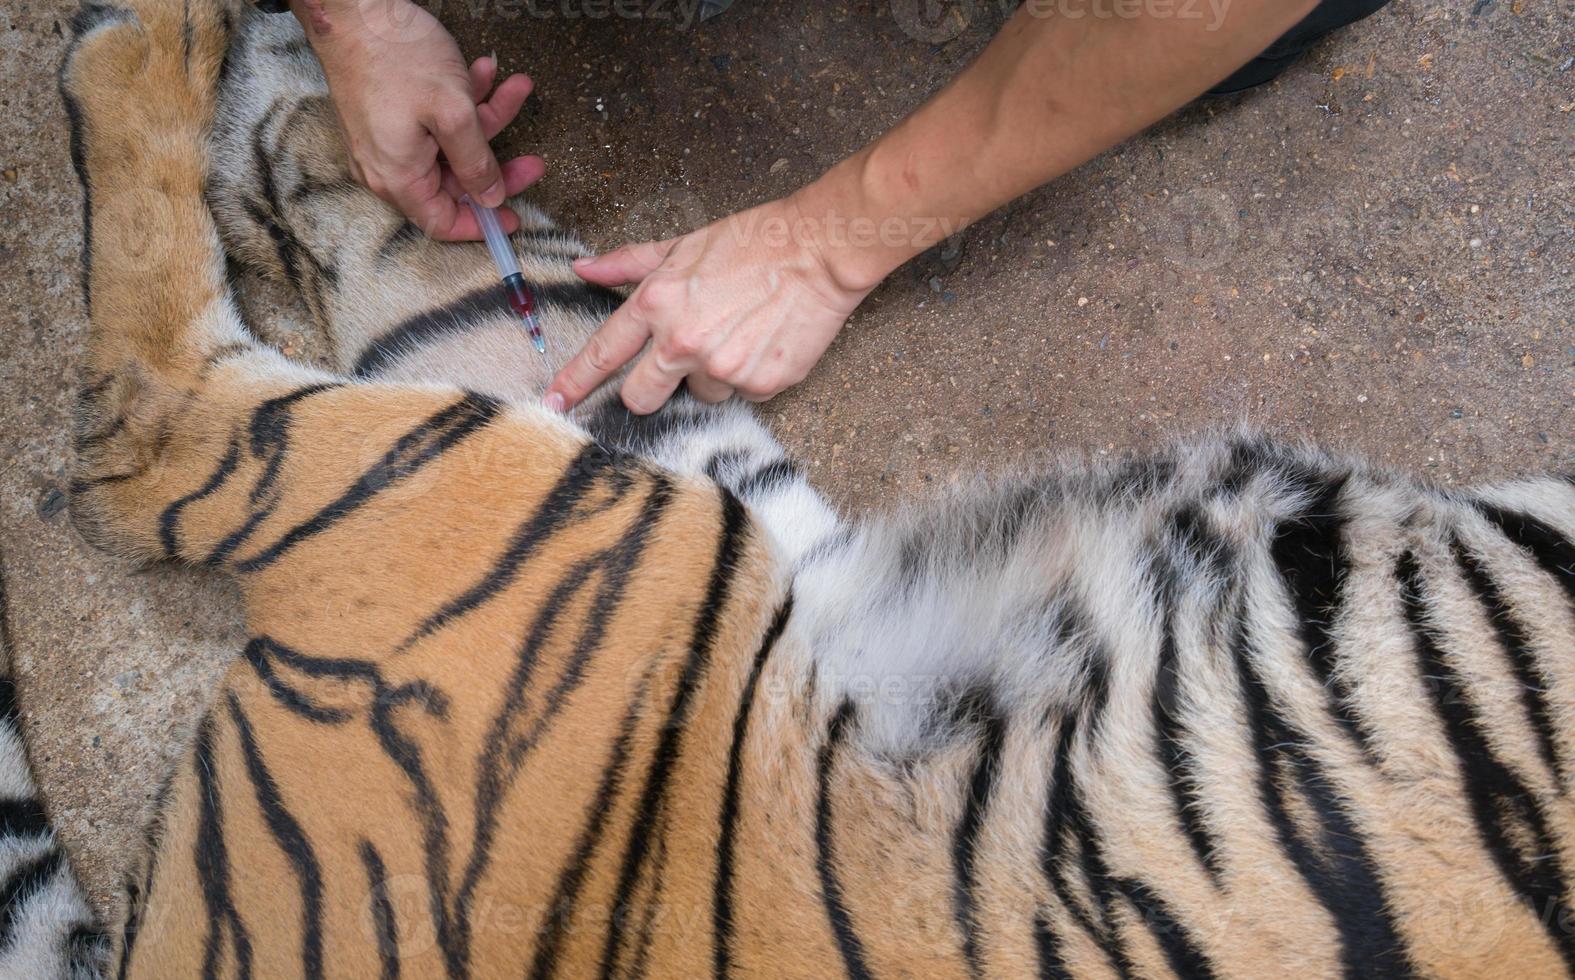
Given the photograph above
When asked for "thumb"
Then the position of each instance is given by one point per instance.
(464, 144)
(625, 265)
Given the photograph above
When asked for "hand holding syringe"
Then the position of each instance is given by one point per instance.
(519, 294)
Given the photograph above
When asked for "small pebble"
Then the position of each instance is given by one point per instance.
(10, 175)
(1082, 301)
(53, 503)
(1476, 243)
(1457, 414)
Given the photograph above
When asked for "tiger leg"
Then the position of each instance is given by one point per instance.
(184, 406)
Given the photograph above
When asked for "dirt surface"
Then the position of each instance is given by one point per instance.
(1376, 251)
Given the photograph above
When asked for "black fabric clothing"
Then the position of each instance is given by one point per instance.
(1328, 17)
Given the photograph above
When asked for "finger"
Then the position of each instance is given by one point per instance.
(756, 396)
(483, 72)
(498, 110)
(465, 148)
(709, 389)
(625, 265)
(432, 209)
(610, 348)
(518, 174)
(649, 385)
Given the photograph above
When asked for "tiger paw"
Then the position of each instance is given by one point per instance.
(140, 81)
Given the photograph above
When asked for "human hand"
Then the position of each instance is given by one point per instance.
(745, 306)
(404, 95)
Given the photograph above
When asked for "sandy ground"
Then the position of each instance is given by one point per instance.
(1377, 252)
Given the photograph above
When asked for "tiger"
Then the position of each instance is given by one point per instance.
(545, 695)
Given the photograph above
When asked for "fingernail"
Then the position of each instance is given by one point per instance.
(583, 261)
(493, 196)
(553, 401)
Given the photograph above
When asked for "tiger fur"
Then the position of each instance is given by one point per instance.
(537, 696)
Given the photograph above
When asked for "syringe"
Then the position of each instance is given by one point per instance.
(520, 298)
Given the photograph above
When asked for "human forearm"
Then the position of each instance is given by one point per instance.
(1050, 92)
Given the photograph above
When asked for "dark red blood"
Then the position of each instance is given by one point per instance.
(520, 298)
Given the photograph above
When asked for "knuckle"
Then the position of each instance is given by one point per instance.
(767, 383)
(472, 170)
(451, 114)
(598, 355)
(728, 366)
(685, 342)
(657, 295)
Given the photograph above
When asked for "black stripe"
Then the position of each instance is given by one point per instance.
(1309, 551)
(1510, 824)
(307, 187)
(722, 459)
(271, 217)
(769, 477)
(89, 440)
(722, 891)
(169, 520)
(1060, 808)
(1047, 949)
(473, 309)
(83, 484)
(557, 510)
(269, 439)
(292, 840)
(428, 441)
(1073, 822)
(1170, 733)
(136, 900)
(1181, 951)
(87, 17)
(213, 866)
(614, 426)
(514, 732)
(1336, 866)
(405, 234)
(571, 878)
(24, 881)
(388, 703)
(260, 652)
(22, 818)
(185, 34)
(1554, 552)
(1515, 643)
(730, 543)
(382, 910)
(294, 256)
(978, 706)
(842, 930)
(639, 963)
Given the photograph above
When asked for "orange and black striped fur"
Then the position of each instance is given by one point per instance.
(529, 696)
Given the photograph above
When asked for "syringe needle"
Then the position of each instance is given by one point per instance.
(519, 294)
